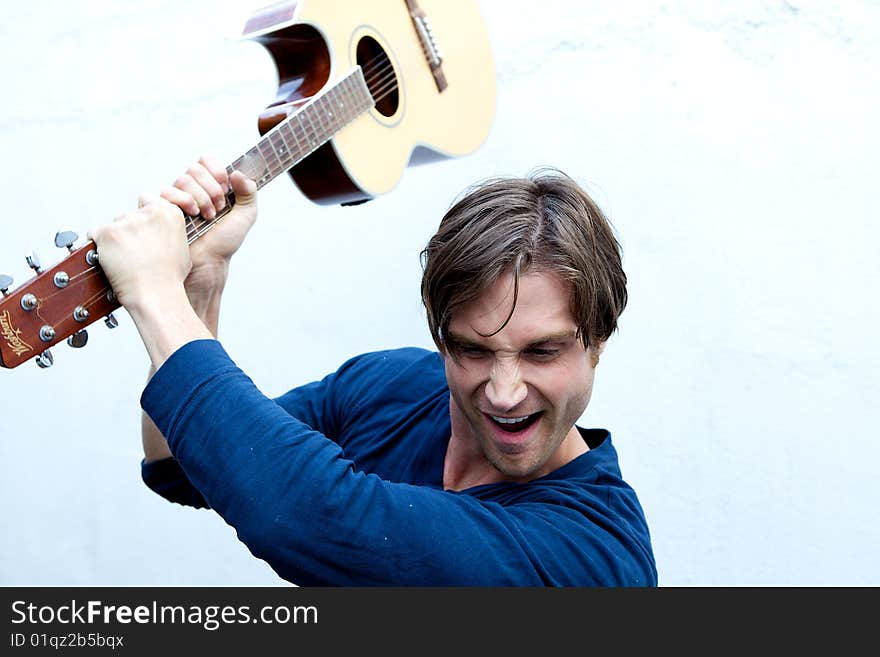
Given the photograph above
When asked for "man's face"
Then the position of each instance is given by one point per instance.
(517, 394)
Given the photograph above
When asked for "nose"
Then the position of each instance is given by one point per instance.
(505, 387)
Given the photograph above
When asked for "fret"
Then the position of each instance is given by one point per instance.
(313, 138)
(339, 92)
(269, 152)
(319, 113)
(296, 149)
(333, 101)
(301, 142)
(335, 111)
(281, 145)
(342, 107)
(269, 158)
(325, 111)
(273, 152)
(305, 133)
(347, 91)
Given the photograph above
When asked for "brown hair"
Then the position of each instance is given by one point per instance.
(543, 222)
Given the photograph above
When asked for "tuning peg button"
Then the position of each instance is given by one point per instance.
(5, 282)
(33, 261)
(111, 321)
(65, 239)
(78, 339)
(45, 359)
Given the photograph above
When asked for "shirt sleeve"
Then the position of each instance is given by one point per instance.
(299, 504)
(310, 403)
(166, 478)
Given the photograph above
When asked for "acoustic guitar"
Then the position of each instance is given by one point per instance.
(366, 89)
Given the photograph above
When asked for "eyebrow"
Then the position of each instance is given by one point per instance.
(561, 336)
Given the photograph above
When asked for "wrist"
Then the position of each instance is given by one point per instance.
(207, 279)
(166, 321)
(204, 301)
(204, 288)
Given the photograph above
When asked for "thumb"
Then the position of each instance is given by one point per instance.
(245, 189)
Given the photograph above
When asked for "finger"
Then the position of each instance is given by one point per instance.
(163, 207)
(181, 199)
(245, 189)
(161, 213)
(203, 177)
(146, 199)
(216, 169)
(188, 184)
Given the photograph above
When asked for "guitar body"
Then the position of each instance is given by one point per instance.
(313, 42)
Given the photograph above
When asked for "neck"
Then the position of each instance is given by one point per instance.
(466, 464)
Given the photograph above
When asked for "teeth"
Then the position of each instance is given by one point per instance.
(509, 420)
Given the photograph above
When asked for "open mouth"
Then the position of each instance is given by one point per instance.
(514, 424)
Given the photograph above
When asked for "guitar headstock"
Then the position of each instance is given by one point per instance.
(55, 305)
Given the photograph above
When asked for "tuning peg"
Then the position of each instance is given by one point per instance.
(45, 359)
(33, 261)
(78, 339)
(65, 239)
(111, 321)
(5, 282)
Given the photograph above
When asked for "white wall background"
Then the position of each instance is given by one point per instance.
(733, 145)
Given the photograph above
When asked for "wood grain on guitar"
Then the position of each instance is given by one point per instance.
(363, 93)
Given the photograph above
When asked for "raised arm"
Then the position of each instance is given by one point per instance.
(202, 191)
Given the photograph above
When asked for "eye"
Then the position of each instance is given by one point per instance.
(472, 351)
(542, 354)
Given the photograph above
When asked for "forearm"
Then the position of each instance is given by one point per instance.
(207, 307)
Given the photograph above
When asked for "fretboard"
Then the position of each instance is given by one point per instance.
(296, 137)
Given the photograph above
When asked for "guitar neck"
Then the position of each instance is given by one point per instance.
(295, 138)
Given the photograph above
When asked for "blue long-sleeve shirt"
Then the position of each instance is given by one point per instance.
(339, 482)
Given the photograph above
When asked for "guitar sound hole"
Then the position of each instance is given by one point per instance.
(379, 75)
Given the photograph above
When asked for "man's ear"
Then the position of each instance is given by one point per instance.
(596, 351)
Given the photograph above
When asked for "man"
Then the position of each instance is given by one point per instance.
(404, 467)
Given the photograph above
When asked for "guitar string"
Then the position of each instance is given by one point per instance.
(381, 79)
(384, 87)
(382, 82)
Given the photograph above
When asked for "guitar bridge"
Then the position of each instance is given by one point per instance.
(429, 43)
